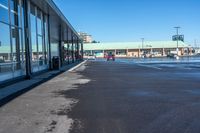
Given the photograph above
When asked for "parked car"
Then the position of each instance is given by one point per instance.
(91, 57)
(111, 57)
(173, 56)
(198, 54)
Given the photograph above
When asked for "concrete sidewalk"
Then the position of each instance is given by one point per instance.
(43, 109)
(10, 92)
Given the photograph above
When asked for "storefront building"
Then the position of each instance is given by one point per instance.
(136, 49)
(32, 33)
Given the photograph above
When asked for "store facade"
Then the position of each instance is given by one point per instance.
(32, 33)
(135, 49)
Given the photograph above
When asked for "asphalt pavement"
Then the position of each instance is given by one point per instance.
(124, 97)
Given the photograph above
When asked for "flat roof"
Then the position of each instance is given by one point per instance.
(133, 45)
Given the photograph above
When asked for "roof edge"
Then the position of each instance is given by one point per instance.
(59, 13)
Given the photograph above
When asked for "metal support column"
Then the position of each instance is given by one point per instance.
(72, 48)
(68, 62)
(82, 54)
(60, 45)
(49, 37)
(27, 39)
(78, 50)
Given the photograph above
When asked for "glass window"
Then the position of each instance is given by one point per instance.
(40, 51)
(11, 43)
(5, 42)
(33, 19)
(33, 34)
(34, 47)
(4, 11)
(22, 14)
(5, 52)
(54, 49)
(66, 50)
(4, 2)
(40, 46)
(15, 9)
(17, 47)
(70, 52)
(39, 22)
(39, 39)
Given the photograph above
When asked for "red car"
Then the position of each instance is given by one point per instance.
(111, 57)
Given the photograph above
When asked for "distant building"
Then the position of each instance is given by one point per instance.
(86, 37)
(136, 49)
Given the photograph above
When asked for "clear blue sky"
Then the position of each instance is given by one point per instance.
(130, 20)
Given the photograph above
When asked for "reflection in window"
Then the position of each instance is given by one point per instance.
(54, 49)
(5, 42)
(4, 11)
(4, 2)
(33, 19)
(15, 12)
(39, 22)
(39, 39)
(70, 52)
(33, 34)
(40, 50)
(5, 52)
(17, 47)
(11, 39)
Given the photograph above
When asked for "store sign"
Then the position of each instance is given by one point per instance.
(178, 38)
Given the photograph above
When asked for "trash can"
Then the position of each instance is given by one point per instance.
(56, 62)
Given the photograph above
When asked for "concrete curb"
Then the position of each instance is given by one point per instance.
(77, 66)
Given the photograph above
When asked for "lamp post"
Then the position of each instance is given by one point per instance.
(142, 42)
(142, 45)
(177, 39)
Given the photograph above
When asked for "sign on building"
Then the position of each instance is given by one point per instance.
(178, 37)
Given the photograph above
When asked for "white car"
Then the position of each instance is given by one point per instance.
(91, 57)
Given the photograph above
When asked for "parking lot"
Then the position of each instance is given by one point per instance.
(122, 96)
(131, 96)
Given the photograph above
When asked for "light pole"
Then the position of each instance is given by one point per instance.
(142, 42)
(142, 46)
(177, 37)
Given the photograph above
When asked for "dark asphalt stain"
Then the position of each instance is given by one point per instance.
(124, 98)
(51, 127)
